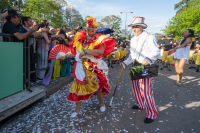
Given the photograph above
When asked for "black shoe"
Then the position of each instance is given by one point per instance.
(112, 66)
(197, 70)
(190, 67)
(135, 107)
(147, 120)
(39, 79)
(161, 68)
(169, 69)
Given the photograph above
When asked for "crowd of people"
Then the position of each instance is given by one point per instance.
(42, 33)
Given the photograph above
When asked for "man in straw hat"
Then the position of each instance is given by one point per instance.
(144, 49)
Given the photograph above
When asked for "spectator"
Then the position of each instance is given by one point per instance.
(182, 38)
(45, 22)
(51, 30)
(5, 13)
(34, 23)
(65, 29)
(43, 52)
(57, 31)
(79, 27)
(27, 23)
(71, 34)
(13, 26)
(50, 35)
(64, 37)
(112, 36)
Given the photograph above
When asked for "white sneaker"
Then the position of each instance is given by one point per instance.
(102, 109)
(73, 115)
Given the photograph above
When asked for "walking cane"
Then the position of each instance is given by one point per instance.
(116, 87)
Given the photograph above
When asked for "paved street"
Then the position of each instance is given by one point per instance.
(178, 109)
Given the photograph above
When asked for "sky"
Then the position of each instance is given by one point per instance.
(156, 12)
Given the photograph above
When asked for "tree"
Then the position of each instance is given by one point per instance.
(45, 9)
(116, 27)
(9, 4)
(109, 21)
(188, 18)
(73, 17)
(181, 5)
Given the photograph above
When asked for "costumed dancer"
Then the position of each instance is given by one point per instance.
(192, 48)
(142, 88)
(182, 54)
(90, 71)
(168, 44)
(197, 44)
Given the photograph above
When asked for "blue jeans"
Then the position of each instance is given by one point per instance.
(42, 62)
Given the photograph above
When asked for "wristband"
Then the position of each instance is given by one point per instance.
(85, 52)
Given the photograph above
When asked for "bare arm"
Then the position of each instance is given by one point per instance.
(94, 52)
(56, 36)
(47, 39)
(21, 36)
(188, 41)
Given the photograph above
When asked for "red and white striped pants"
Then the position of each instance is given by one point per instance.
(143, 94)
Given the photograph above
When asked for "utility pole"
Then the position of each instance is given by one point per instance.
(125, 20)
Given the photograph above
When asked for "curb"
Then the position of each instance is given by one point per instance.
(58, 86)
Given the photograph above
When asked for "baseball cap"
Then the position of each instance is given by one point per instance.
(124, 38)
(171, 35)
(196, 34)
(51, 28)
(14, 12)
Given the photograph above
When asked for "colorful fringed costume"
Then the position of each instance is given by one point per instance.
(89, 71)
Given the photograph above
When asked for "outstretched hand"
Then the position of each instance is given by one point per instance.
(61, 58)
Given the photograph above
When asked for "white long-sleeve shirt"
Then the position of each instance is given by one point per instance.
(149, 52)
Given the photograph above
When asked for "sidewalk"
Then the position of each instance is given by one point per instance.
(22, 99)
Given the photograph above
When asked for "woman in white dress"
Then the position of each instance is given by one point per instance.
(182, 54)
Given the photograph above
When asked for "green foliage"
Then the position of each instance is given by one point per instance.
(44, 9)
(136, 69)
(8, 4)
(109, 21)
(84, 22)
(189, 18)
(181, 5)
(73, 17)
(116, 27)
